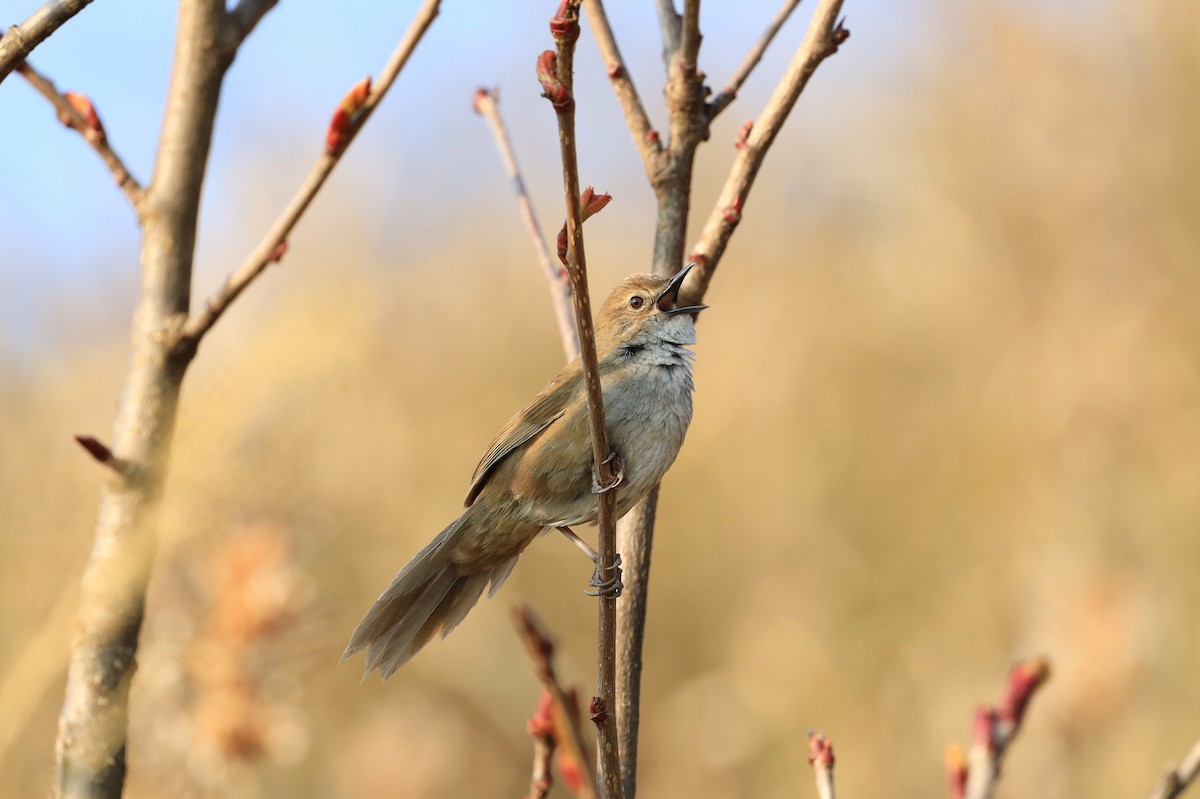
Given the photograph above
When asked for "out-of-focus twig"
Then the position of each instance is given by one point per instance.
(994, 729)
(76, 112)
(568, 732)
(557, 280)
(343, 130)
(556, 73)
(19, 40)
(541, 729)
(1177, 780)
(729, 93)
(820, 757)
(644, 135)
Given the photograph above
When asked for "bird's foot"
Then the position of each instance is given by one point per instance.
(618, 469)
(611, 587)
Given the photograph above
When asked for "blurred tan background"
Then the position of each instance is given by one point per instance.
(948, 416)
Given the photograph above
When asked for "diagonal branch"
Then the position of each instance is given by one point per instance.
(1177, 780)
(824, 36)
(729, 93)
(271, 247)
(487, 105)
(89, 127)
(644, 135)
(241, 21)
(559, 87)
(19, 41)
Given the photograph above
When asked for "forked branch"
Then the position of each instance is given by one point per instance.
(274, 243)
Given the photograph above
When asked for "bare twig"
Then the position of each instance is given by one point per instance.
(88, 126)
(269, 248)
(669, 25)
(820, 757)
(566, 723)
(824, 36)
(729, 93)
(19, 41)
(994, 730)
(556, 72)
(644, 135)
(1177, 780)
(487, 105)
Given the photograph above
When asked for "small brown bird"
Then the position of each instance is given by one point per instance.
(539, 474)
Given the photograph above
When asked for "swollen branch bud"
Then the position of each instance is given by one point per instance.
(482, 95)
(743, 134)
(83, 106)
(564, 25)
(552, 88)
(1025, 678)
(820, 750)
(346, 116)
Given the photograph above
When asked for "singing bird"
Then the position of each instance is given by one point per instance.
(539, 472)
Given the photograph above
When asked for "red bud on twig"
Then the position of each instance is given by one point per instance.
(652, 135)
(743, 133)
(1023, 680)
(552, 88)
(564, 25)
(733, 212)
(481, 94)
(541, 723)
(820, 750)
(983, 728)
(956, 772)
(616, 71)
(277, 254)
(341, 127)
(83, 106)
(590, 204)
(95, 448)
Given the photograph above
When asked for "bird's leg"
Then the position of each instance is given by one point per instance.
(618, 474)
(610, 587)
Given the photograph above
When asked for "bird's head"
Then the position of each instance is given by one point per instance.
(645, 310)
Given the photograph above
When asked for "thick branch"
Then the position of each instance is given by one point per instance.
(824, 36)
(644, 135)
(92, 132)
(1177, 780)
(488, 106)
(91, 740)
(567, 730)
(19, 41)
(729, 93)
(270, 248)
(566, 31)
(689, 40)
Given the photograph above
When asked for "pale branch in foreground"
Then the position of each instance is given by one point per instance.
(556, 73)
(487, 105)
(728, 94)
(76, 112)
(820, 757)
(566, 725)
(356, 108)
(1177, 780)
(19, 40)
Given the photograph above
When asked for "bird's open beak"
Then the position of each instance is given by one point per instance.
(668, 299)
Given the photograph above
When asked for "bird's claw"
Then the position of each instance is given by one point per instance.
(618, 467)
(609, 588)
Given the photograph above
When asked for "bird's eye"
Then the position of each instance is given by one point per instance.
(636, 302)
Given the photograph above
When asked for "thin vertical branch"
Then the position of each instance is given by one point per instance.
(19, 40)
(670, 27)
(559, 86)
(1177, 780)
(488, 106)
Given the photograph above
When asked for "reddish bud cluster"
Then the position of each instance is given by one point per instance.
(1025, 678)
(743, 134)
(345, 117)
(278, 252)
(820, 750)
(83, 106)
(733, 212)
(590, 204)
(552, 88)
(956, 772)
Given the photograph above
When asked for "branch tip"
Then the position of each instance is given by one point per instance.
(820, 749)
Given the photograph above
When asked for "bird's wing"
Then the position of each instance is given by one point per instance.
(538, 414)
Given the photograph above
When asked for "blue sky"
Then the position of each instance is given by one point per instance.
(66, 229)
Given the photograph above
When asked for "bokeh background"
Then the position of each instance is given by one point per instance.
(948, 409)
